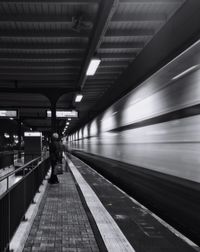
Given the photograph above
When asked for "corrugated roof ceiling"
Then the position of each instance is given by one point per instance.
(47, 45)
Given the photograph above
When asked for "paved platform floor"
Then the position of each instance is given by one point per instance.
(61, 223)
(145, 231)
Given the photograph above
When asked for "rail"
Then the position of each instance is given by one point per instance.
(15, 201)
(23, 168)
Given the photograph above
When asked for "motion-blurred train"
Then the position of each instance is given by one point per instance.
(155, 129)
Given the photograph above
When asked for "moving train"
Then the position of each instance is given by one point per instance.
(148, 142)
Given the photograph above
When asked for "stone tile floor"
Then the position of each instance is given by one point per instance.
(61, 223)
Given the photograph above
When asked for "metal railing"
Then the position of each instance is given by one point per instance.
(15, 201)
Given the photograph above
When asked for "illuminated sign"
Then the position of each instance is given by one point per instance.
(8, 113)
(64, 113)
(32, 134)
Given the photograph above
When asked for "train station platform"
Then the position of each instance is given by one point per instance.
(87, 213)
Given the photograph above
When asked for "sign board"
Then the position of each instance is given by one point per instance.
(64, 113)
(8, 113)
(32, 145)
(32, 134)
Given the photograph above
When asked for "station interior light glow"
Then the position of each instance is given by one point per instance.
(185, 72)
(64, 113)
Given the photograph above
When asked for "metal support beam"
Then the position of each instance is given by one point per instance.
(130, 32)
(38, 55)
(35, 77)
(53, 117)
(39, 71)
(55, 92)
(33, 107)
(39, 18)
(151, 1)
(117, 55)
(105, 13)
(45, 34)
(139, 17)
(46, 46)
(19, 137)
(124, 45)
(39, 63)
(67, 2)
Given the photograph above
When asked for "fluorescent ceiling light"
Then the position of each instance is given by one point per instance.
(185, 72)
(78, 97)
(8, 113)
(67, 123)
(94, 63)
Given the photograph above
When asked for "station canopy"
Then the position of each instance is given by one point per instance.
(46, 47)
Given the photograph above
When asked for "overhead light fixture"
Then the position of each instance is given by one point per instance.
(6, 135)
(69, 119)
(11, 118)
(185, 72)
(94, 63)
(67, 123)
(78, 97)
(64, 113)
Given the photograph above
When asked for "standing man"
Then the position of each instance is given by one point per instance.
(55, 156)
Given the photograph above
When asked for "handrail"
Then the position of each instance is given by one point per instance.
(19, 169)
(22, 192)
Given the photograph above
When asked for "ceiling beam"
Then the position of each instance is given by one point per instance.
(40, 62)
(40, 18)
(109, 70)
(112, 63)
(105, 13)
(45, 34)
(36, 90)
(38, 68)
(32, 82)
(57, 55)
(31, 124)
(57, 92)
(151, 1)
(39, 71)
(124, 45)
(39, 117)
(139, 17)
(96, 82)
(72, 2)
(129, 32)
(31, 107)
(96, 85)
(99, 83)
(105, 76)
(117, 55)
(39, 45)
(71, 56)
(35, 77)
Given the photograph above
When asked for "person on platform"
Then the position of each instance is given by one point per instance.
(55, 149)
